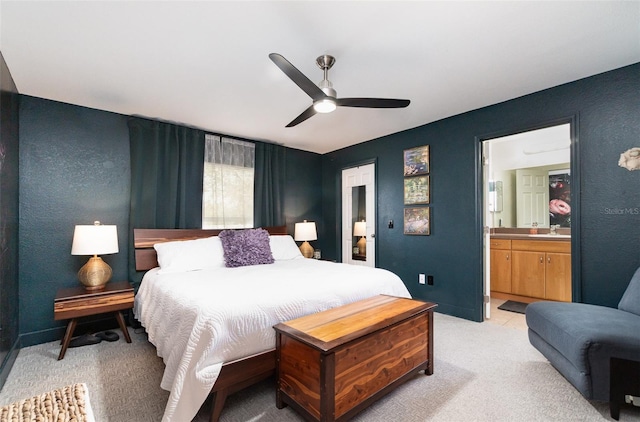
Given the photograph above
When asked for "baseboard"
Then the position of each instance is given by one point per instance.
(456, 311)
(515, 298)
(9, 359)
(42, 336)
(105, 322)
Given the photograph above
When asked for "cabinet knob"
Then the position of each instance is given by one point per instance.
(541, 260)
(549, 259)
(507, 257)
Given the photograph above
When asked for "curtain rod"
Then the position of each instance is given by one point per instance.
(206, 131)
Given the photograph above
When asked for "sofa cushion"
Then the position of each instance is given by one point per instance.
(578, 329)
(586, 336)
(630, 301)
(580, 380)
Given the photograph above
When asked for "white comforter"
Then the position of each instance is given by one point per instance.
(198, 320)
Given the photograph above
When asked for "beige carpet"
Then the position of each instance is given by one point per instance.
(483, 372)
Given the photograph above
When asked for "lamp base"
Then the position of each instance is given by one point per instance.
(306, 250)
(362, 245)
(95, 274)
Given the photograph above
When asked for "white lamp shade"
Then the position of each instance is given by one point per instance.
(360, 228)
(94, 240)
(305, 231)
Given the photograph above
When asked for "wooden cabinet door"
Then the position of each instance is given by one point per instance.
(528, 273)
(558, 277)
(500, 270)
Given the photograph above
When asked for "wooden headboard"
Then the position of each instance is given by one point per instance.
(144, 239)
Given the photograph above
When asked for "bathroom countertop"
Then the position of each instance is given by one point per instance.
(526, 236)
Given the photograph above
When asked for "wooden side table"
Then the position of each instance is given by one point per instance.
(76, 302)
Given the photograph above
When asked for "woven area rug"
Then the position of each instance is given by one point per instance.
(68, 404)
(513, 306)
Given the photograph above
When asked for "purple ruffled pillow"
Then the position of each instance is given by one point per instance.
(246, 247)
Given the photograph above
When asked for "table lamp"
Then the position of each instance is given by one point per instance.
(304, 232)
(360, 229)
(94, 240)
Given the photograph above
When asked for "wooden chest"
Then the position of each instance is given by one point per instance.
(333, 364)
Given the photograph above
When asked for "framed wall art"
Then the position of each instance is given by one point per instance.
(416, 161)
(416, 190)
(417, 221)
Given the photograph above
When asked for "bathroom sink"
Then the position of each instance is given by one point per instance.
(547, 235)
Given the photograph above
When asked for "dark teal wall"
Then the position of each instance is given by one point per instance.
(302, 192)
(607, 111)
(9, 145)
(74, 169)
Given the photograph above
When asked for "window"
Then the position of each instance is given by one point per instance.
(227, 191)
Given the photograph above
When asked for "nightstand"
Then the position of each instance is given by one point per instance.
(76, 302)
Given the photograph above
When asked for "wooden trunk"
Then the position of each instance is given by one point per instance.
(331, 365)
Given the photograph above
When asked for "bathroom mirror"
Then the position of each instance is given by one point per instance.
(530, 172)
(358, 220)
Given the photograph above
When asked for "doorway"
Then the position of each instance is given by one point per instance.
(358, 215)
(521, 175)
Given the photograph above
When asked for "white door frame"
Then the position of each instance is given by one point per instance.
(486, 236)
(363, 175)
(485, 173)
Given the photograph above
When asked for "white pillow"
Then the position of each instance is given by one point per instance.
(189, 255)
(284, 247)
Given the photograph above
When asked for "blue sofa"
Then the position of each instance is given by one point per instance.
(579, 339)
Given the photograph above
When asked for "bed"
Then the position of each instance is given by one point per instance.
(213, 325)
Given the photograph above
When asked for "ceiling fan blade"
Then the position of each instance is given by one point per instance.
(303, 116)
(372, 102)
(297, 77)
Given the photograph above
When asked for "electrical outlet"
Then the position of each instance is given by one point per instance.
(421, 278)
(430, 280)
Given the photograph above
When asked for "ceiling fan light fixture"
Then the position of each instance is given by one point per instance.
(326, 105)
(325, 98)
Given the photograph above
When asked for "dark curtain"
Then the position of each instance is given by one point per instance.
(269, 177)
(167, 164)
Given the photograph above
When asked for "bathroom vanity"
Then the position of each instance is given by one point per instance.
(529, 267)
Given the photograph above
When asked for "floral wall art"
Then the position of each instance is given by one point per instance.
(417, 220)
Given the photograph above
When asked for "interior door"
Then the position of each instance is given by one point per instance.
(358, 206)
(532, 191)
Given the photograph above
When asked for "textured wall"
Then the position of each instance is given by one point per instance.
(9, 100)
(302, 190)
(74, 169)
(607, 110)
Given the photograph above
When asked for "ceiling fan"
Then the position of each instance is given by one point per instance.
(323, 95)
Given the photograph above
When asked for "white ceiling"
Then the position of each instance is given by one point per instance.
(535, 148)
(205, 64)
